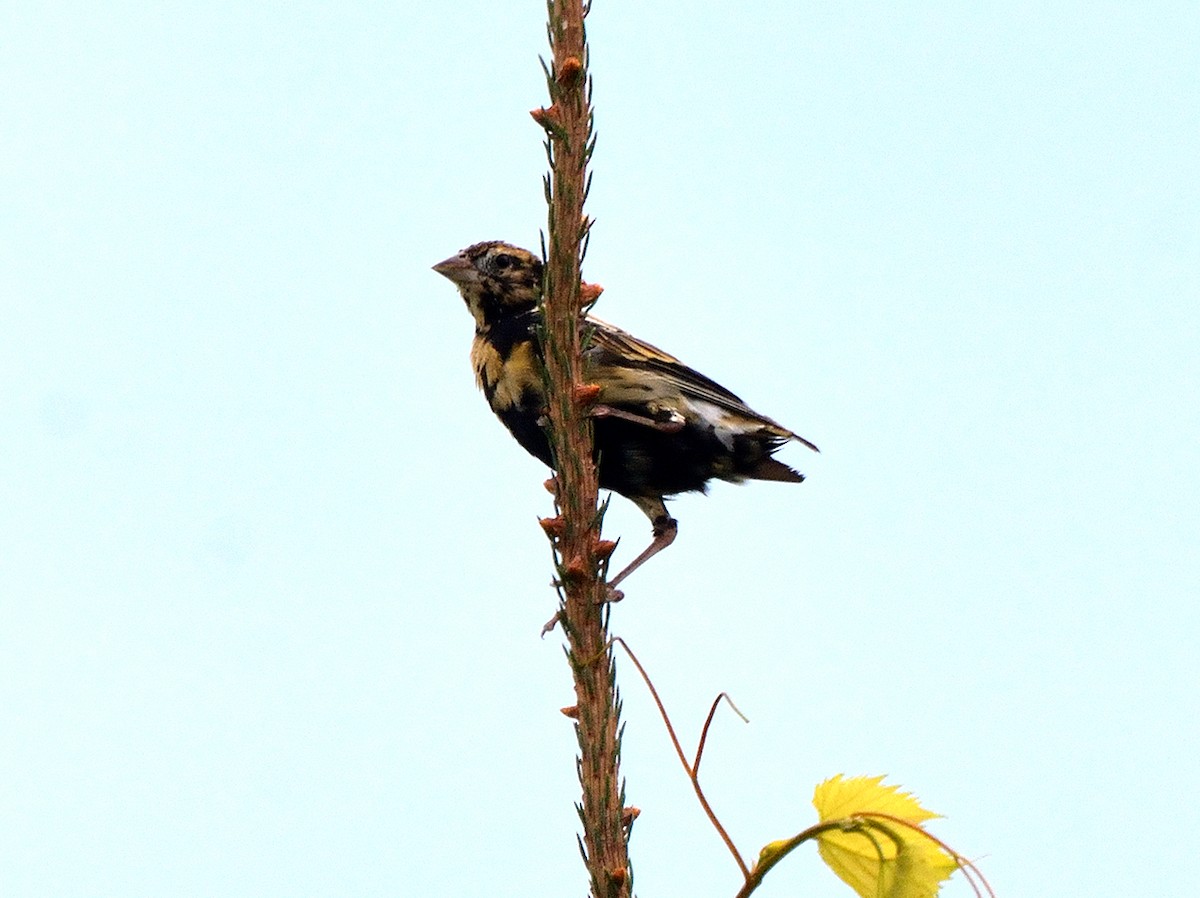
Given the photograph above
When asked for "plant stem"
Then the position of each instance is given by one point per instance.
(581, 561)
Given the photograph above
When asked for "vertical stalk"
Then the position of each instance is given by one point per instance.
(581, 554)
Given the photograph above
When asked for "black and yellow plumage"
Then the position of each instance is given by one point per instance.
(661, 428)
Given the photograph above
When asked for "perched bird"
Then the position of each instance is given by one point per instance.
(661, 428)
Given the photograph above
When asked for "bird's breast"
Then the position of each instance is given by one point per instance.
(509, 379)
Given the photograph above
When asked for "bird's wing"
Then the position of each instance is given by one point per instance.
(632, 370)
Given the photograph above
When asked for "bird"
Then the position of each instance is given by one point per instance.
(660, 427)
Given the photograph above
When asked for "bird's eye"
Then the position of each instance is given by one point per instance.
(502, 261)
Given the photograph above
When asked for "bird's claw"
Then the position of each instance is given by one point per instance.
(611, 595)
(548, 626)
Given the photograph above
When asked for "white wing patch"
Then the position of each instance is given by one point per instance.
(722, 424)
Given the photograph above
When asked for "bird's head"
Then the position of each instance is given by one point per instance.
(495, 279)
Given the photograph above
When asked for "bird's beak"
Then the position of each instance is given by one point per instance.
(456, 268)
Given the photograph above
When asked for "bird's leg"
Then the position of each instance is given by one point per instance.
(672, 421)
(664, 527)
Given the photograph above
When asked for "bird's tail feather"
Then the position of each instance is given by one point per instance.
(773, 469)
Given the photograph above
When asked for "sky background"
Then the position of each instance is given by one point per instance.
(270, 575)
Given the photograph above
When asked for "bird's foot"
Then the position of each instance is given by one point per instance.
(671, 421)
(548, 626)
(611, 596)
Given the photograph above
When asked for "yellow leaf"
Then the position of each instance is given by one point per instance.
(878, 847)
(838, 797)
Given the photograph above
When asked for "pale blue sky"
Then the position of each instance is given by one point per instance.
(270, 575)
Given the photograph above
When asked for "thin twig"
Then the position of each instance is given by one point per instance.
(693, 770)
(708, 722)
